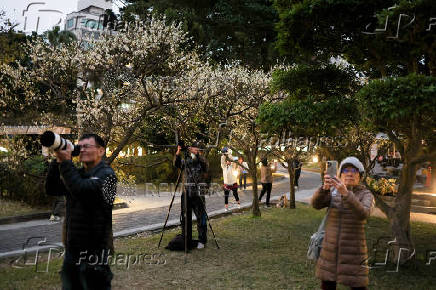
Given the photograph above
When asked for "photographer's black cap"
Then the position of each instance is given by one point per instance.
(197, 144)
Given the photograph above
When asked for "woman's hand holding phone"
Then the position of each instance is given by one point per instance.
(328, 182)
(340, 187)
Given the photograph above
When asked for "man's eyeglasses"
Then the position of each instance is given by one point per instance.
(87, 146)
(348, 170)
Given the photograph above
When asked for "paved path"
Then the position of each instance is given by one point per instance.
(140, 217)
(147, 213)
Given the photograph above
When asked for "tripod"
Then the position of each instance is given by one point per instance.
(185, 168)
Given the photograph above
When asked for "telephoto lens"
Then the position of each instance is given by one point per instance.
(226, 151)
(55, 142)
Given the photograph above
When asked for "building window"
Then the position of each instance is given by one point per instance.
(83, 22)
(91, 23)
(70, 23)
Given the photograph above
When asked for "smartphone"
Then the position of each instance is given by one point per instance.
(332, 168)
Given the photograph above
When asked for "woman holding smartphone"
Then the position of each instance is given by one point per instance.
(344, 253)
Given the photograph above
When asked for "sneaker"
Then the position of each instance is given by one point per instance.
(239, 205)
(52, 218)
(57, 218)
(226, 209)
(200, 245)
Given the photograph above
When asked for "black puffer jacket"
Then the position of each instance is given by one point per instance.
(196, 178)
(89, 200)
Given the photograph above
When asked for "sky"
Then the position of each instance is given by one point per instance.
(57, 10)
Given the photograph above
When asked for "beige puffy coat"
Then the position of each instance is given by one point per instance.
(344, 253)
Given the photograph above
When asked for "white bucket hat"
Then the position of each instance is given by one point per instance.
(353, 161)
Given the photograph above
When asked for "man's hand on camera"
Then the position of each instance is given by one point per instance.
(63, 155)
(179, 148)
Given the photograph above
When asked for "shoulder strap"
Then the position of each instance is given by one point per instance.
(322, 224)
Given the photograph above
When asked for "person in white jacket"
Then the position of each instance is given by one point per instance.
(230, 174)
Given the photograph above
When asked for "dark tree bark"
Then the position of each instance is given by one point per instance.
(253, 172)
(399, 214)
(291, 172)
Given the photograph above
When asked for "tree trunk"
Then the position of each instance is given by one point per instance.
(291, 172)
(120, 146)
(253, 172)
(433, 176)
(322, 167)
(400, 215)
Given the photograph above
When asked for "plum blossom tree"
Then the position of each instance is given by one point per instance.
(108, 85)
(247, 90)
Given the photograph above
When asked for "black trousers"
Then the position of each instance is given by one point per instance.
(331, 285)
(227, 193)
(84, 276)
(198, 204)
(59, 206)
(266, 187)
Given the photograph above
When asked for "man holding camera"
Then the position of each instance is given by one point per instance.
(90, 192)
(195, 181)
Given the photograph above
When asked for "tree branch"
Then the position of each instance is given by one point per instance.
(397, 142)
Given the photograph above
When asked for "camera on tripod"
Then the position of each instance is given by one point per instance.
(55, 142)
(182, 145)
(194, 144)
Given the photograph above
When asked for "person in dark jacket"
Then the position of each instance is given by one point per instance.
(87, 235)
(195, 181)
(297, 168)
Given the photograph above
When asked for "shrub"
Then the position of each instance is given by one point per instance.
(26, 182)
(382, 186)
(157, 168)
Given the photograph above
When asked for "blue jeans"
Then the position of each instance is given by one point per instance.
(243, 175)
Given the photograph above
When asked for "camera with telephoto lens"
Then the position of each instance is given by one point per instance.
(55, 142)
(226, 151)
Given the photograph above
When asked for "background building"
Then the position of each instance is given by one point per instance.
(87, 21)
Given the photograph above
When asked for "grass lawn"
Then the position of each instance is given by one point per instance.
(264, 253)
(12, 208)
